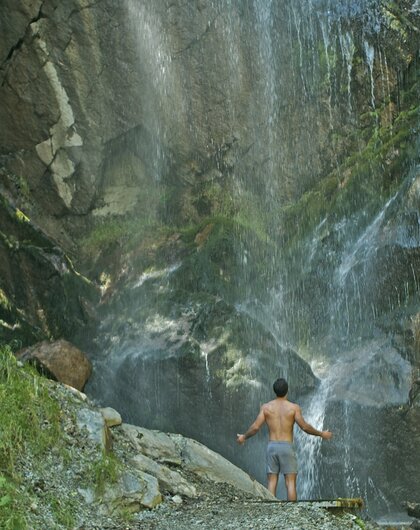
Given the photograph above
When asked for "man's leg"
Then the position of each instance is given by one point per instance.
(290, 480)
(272, 479)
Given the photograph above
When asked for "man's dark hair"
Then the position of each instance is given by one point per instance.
(280, 387)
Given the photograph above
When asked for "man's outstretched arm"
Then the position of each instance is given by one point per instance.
(305, 426)
(254, 428)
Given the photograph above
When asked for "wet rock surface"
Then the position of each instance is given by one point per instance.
(42, 296)
(204, 352)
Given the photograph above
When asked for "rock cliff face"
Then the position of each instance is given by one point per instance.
(106, 101)
(241, 181)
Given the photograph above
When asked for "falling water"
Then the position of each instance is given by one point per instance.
(348, 49)
(370, 57)
(309, 446)
(364, 247)
(283, 91)
(325, 39)
(156, 60)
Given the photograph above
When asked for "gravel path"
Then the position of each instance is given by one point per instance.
(222, 508)
(253, 516)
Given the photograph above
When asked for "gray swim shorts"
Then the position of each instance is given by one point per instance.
(281, 458)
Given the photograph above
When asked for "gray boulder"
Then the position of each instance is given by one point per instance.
(111, 416)
(206, 463)
(93, 423)
(155, 444)
(133, 492)
(168, 479)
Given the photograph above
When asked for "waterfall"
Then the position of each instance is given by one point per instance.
(309, 446)
(271, 131)
(364, 247)
(348, 49)
(370, 57)
(152, 47)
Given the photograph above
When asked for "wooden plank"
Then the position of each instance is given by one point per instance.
(343, 504)
(329, 504)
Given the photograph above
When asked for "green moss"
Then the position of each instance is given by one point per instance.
(397, 20)
(363, 181)
(4, 301)
(219, 200)
(21, 217)
(127, 233)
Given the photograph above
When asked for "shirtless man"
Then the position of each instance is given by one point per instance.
(280, 416)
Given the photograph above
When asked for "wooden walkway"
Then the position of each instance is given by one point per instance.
(336, 504)
(328, 504)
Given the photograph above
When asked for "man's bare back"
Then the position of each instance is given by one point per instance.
(280, 415)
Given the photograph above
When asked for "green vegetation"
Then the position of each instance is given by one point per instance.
(12, 505)
(63, 510)
(32, 421)
(126, 232)
(4, 301)
(105, 470)
(363, 181)
(21, 217)
(360, 523)
(30, 418)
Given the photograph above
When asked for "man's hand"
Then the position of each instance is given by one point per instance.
(326, 435)
(240, 438)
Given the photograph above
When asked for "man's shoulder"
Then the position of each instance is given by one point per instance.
(266, 407)
(294, 406)
(274, 404)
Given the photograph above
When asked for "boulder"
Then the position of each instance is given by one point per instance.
(204, 462)
(155, 447)
(154, 444)
(59, 360)
(132, 492)
(111, 416)
(80, 395)
(168, 479)
(94, 424)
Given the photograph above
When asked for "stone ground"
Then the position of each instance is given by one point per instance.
(252, 516)
(220, 506)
